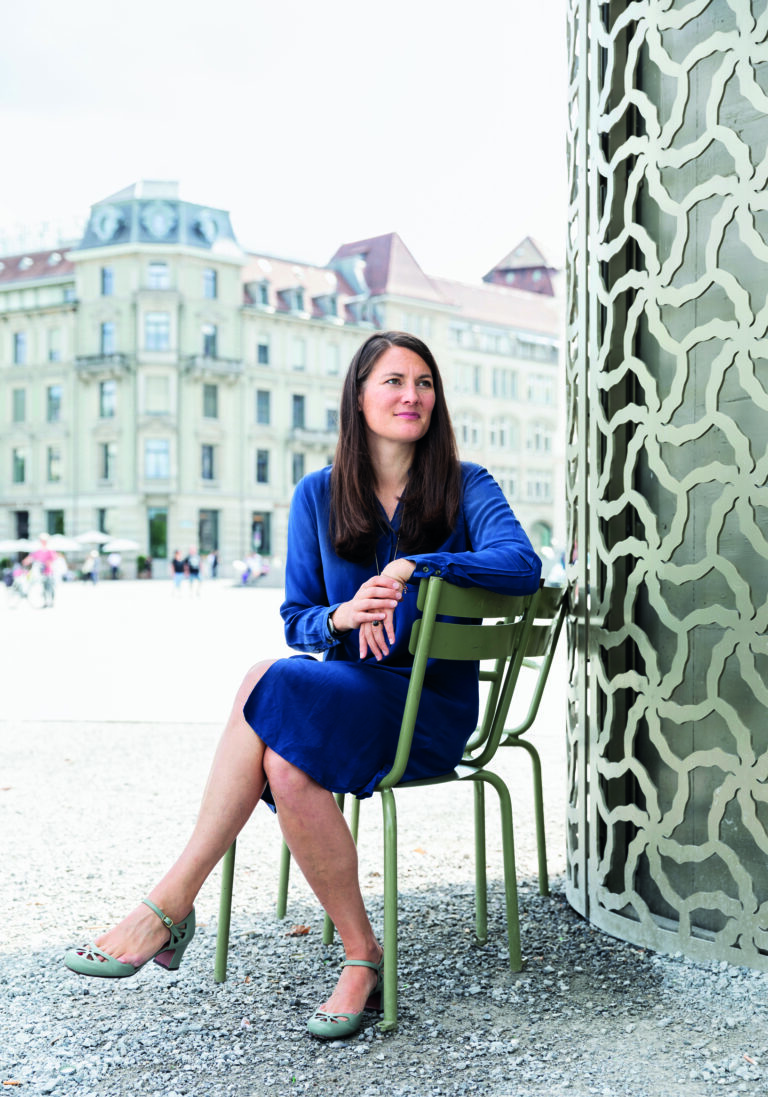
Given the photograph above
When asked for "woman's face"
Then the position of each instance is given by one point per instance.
(398, 396)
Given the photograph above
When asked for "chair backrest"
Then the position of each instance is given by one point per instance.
(481, 626)
(549, 615)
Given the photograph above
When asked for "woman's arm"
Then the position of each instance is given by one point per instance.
(498, 556)
(313, 568)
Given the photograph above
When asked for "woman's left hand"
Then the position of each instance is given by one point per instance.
(374, 635)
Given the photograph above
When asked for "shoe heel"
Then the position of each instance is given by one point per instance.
(374, 1002)
(170, 958)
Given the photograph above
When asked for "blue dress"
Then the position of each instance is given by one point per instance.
(338, 719)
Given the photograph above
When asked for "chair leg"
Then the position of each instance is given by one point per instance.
(329, 929)
(282, 884)
(510, 877)
(225, 914)
(538, 807)
(389, 810)
(481, 880)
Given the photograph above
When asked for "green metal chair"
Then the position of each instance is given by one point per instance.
(491, 627)
(550, 610)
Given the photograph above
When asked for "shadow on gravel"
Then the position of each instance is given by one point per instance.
(580, 1019)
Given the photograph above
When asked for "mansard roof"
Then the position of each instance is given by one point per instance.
(526, 256)
(383, 264)
(35, 266)
(151, 212)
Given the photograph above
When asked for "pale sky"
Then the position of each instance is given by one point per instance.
(314, 123)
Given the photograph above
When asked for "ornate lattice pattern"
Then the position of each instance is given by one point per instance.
(667, 467)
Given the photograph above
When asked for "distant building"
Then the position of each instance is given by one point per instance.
(163, 385)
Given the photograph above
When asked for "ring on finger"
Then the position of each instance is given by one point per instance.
(375, 623)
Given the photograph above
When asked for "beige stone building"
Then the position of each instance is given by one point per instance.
(161, 384)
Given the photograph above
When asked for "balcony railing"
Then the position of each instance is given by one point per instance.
(307, 437)
(208, 366)
(113, 364)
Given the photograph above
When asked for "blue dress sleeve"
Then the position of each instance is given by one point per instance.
(497, 554)
(305, 610)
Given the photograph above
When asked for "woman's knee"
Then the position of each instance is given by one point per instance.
(286, 780)
(252, 677)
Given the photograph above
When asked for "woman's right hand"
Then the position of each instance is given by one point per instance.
(372, 611)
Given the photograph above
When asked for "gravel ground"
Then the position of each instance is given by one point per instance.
(91, 811)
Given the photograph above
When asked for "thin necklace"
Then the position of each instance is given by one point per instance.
(401, 503)
(394, 557)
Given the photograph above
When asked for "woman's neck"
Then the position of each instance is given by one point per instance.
(391, 477)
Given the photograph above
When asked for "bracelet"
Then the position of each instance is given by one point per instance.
(336, 635)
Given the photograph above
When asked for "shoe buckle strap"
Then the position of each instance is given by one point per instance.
(164, 918)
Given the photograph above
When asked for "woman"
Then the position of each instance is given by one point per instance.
(396, 506)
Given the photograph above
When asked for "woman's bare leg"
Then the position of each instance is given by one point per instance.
(321, 843)
(234, 787)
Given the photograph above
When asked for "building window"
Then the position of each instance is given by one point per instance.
(210, 283)
(107, 337)
(54, 522)
(299, 355)
(157, 532)
(210, 401)
(262, 466)
(262, 353)
(107, 281)
(539, 438)
(18, 466)
(107, 399)
(207, 470)
(469, 431)
(541, 389)
(157, 331)
(157, 395)
(260, 533)
(467, 379)
(208, 531)
(263, 293)
(500, 433)
(332, 418)
(298, 405)
(54, 344)
(107, 460)
(53, 399)
(538, 488)
(209, 340)
(263, 407)
(19, 405)
(53, 464)
(504, 383)
(332, 360)
(157, 458)
(19, 348)
(159, 277)
(297, 467)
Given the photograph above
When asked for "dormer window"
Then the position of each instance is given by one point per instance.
(26, 263)
(293, 298)
(328, 304)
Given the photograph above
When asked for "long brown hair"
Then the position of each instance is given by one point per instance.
(432, 498)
